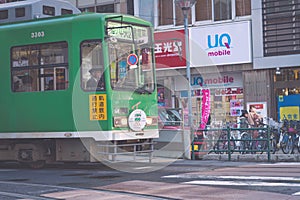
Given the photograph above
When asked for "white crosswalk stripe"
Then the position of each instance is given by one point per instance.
(296, 194)
(242, 183)
(251, 181)
(266, 178)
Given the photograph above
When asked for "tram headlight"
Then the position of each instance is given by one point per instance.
(154, 120)
(120, 121)
(151, 121)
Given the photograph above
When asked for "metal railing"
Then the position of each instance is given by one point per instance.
(111, 151)
(233, 140)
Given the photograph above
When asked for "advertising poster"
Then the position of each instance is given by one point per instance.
(205, 108)
(236, 105)
(261, 108)
(161, 97)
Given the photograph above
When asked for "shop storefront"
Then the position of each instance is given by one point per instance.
(219, 48)
(287, 92)
(216, 51)
(226, 96)
(169, 56)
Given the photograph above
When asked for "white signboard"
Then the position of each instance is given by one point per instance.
(213, 80)
(227, 43)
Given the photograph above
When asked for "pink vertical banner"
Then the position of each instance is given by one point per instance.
(205, 108)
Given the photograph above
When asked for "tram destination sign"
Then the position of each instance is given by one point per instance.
(125, 31)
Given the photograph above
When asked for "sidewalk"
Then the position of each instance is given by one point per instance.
(253, 157)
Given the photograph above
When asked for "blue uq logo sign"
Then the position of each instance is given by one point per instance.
(224, 40)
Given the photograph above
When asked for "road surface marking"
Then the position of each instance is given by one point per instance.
(138, 168)
(280, 163)
(296, 194)
(243, 183)
(265, 178)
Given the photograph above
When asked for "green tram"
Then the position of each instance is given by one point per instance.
(50, 109)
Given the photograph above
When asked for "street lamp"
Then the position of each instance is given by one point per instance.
(185, 6)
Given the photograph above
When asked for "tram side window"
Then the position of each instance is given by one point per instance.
(20, 12)
(66, 11)
(3, 14)
(49, 10)
(92, 68)
(39, 67)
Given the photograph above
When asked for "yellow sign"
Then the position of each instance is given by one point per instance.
(196, 148)
(289, 113)
(98, 107)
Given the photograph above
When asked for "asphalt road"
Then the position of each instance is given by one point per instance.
(183, 179)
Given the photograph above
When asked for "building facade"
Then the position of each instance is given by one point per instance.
(242, 53)
(245, 52)
(220, 39)
(276, 50)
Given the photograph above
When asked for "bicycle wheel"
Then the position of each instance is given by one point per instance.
(273, 145)
(245, 143)
(298, 144)
(231, 146)
(261, 144)
(222, 144)
(220, 147)
(286, 144)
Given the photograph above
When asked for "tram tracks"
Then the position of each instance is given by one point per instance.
(23, 190)
(32, 191)
(22, 196)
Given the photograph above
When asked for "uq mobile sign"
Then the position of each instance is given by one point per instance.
(228, 43)
(212, 80)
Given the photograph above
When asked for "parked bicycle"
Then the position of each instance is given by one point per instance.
(235, 142)
(290, 138)
(246, 139)
(224, 144)
(260, 144)
(256, 139)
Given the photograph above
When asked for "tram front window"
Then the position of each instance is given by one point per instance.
(131, 58)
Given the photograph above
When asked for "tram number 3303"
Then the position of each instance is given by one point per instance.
(38, 34)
